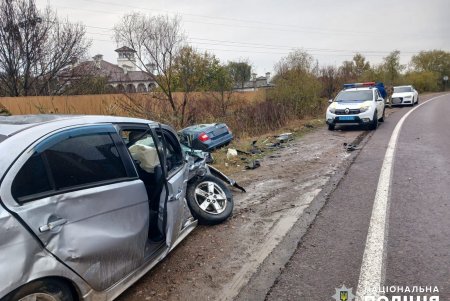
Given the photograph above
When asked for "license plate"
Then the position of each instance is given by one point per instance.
(347, 118)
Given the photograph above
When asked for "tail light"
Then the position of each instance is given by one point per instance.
(203, 137)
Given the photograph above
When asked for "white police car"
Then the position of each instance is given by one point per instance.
(357, 104)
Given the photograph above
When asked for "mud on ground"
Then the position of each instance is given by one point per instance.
(215, 262)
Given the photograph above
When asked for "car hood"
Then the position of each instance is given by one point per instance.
(350, 105)
(402, 94)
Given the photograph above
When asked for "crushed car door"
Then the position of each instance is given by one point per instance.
(82, 199)
(172, 201)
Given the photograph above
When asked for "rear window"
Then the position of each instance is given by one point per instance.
(402, 89)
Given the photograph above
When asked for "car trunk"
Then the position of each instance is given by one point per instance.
(213, 130)
(216, 131)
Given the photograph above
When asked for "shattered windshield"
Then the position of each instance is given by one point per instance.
(402, 89)
(354, 96)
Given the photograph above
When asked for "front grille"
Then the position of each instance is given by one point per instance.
(397, 100)
(350, 112)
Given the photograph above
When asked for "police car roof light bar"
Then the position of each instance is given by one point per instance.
(359, 85)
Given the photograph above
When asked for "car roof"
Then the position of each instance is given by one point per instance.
(10, 125)
(409, 86)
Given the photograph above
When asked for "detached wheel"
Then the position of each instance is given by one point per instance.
(42, 290)
(210, 200)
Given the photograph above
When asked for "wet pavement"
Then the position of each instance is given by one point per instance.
(418, 240)
(300, 231)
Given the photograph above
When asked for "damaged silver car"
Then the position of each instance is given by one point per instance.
(89, 204)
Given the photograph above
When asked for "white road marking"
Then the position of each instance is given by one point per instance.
(372, 272)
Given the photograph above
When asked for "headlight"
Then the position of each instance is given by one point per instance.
(332, 110)
(409, 96)
(364, 109)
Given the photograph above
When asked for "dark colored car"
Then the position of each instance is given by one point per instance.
(206, 137)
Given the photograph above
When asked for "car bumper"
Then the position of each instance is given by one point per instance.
(399, 101)
(359, 119)
(210, 145)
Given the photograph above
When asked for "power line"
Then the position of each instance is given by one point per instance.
(292, 27)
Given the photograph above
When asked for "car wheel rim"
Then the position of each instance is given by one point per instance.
(210, 198)
(38, 297)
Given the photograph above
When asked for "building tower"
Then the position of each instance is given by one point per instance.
(126, 59)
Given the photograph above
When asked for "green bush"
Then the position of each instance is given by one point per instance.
(425, 81)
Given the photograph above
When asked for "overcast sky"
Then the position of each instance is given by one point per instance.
(265, 31)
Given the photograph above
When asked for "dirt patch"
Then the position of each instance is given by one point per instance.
(213, 263)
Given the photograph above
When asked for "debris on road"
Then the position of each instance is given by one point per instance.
(285, 137)
(350, 147)
(253, 164)
(231, 153)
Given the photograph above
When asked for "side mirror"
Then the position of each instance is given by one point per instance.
(330, 100)
(380, 99)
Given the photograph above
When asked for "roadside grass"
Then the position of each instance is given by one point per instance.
(233, 165)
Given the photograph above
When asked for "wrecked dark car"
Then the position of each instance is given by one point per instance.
(89, 204)
(206, 137)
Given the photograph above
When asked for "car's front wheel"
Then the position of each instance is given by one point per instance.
(210, 200)
(331, 127)
(382, 116)
(42, 290)
(374, 124)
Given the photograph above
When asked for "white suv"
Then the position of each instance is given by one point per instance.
(356, 104)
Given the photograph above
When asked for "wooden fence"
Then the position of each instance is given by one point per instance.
(104, 104)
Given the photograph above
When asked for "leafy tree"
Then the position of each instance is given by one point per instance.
(219, 83)
(354, 70)
(34, 47)
(432, 61)
(189, 70)
(240, 71)
(360, 65)
(392, 68)
(296, 84)
(347, 71)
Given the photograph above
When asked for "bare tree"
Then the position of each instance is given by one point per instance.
(34, 47)
(157, 40)
(329, 76)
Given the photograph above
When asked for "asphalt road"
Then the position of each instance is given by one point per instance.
(415, 251)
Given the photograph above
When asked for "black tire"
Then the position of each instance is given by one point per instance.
(382, 117)
(417, 100)
(374, 123)
(331, 127)
(221, 197)
(47, 289)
